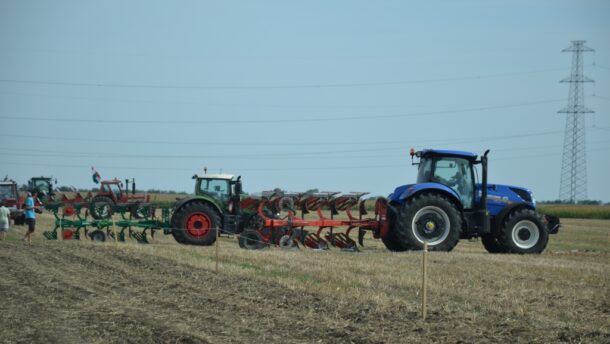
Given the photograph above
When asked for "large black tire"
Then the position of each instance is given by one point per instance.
(428, 217)
(524, 231)
(195, 223)
(391, 242)
(491, 244)
(101, 207)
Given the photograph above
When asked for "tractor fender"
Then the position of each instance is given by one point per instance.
(183, 201)
(498, 220)
(416, 189)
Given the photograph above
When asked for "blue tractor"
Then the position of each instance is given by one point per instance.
(447, 203)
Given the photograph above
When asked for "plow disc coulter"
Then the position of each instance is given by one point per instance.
(73, 222)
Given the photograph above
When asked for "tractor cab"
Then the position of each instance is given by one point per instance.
(113, 189)
(220, 188)
(217, 186)
(43, 186)
(451, 169)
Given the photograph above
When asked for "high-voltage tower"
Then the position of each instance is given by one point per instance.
(573, 186)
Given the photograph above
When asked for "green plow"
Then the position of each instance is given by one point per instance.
(73, 222)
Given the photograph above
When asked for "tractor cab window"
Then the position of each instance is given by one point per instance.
(218, 188)
(42, 186)
(6, 191)
(114, 188)
(456, 173)
(425, 171)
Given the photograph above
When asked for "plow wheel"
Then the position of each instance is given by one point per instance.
(98, 235)
(195, 224)
(100, 207)
(287, 242)
(251, 240)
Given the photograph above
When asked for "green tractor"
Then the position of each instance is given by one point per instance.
(43, 187)
(215, 205)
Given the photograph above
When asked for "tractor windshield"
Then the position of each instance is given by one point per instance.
(6, 191)
(42, 186)
(116, 190)
(218, 188)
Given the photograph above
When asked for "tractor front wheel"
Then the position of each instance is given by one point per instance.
(195, 223)
(430, 218)
(524, 231)
(491, 244)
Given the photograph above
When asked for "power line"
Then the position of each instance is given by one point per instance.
(288, 86)
(600, 97)
(601, 128)
(291, 144)
(292, 168)
(283, 156)
(600, 66)
(282, 120)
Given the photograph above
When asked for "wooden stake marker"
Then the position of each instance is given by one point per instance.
(114, 230)
(216, 247)
(424, 276)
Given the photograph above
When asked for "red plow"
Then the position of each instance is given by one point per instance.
(314, 220)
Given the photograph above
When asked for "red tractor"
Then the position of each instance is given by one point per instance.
(111, 192)
(9, 196)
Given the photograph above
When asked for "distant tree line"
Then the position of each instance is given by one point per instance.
(582, 202)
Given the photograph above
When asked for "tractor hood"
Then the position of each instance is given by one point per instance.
(508, 194)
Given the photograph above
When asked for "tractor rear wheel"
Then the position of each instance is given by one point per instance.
(491, 244)
(101, 207)
(524, 231)
(431, 218)
(195, 223)
(391, 242)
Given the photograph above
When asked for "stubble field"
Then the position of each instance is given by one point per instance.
(77, 292)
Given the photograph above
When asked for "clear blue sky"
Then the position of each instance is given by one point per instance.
(296, 94)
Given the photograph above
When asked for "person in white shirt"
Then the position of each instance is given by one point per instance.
(4, 220)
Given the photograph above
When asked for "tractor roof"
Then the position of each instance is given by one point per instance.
(214, 176)
(444, 152)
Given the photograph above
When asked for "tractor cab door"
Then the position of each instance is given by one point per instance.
(455, 173)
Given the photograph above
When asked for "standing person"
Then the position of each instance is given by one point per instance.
(4, 220)
(30, 218)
